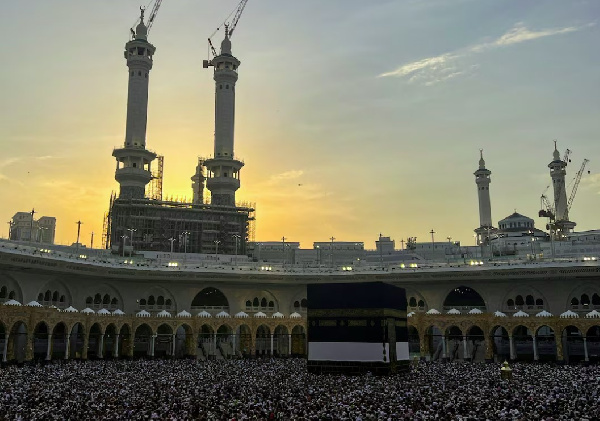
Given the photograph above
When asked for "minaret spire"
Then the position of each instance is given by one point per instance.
(483, 180)
(133, 160)
(223, 169)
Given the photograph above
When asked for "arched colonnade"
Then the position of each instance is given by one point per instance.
(44, 334)
(485, 337)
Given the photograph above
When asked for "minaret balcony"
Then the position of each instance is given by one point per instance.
(224, 160)
(134, 175)
(134, 152)
(222, 183)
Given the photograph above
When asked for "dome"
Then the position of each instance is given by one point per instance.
(103, 312)
(499, 314)
(260, 315)
(412, 313)
(543, 313)
(295, 315)
(142, 313)
(520, 313)
(118, 312)
(433, 311)
(242, 315)
(453, 311)
(164, 313)
(184, 313)
(569, 315)
(204, 314)
(278, 315)
(88, 310)
(34, 304)
(475, 311)
(70, 309)
(223, 314)
(12, 303)
(593, 315)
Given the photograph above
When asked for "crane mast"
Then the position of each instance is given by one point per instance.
(576, 185)
(153, 14)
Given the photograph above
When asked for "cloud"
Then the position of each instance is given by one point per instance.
(432, 70)
(287, 175)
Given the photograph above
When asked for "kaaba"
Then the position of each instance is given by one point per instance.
(355, 328)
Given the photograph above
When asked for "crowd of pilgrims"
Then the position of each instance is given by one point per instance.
(282, 390)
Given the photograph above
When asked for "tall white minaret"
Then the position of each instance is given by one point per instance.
(483, 180)
(558, 172)
(133, 160)
(223, 169)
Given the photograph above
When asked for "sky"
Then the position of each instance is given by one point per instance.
(354, 118)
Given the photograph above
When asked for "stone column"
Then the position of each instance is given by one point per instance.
(585, 351)
(49, 348)
(253, 344)
(233, 344)
(489, 347)
(68, 347)
(444, 346)
(214, 344)
(5, 351)
(86, 344)
(29, 347)
(152, 345)
(290, 344)
(511, 347)
(271, 344)
(116, 349)
(173, 346)
(101, 346)
(559, 346)
(535, 349)
(465, 350)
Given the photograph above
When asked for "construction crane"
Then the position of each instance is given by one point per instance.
(153, 13)
(229, 25)
(576, 185)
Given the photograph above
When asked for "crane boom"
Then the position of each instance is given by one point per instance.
(236, 17)
(153, 14)
(576, 185)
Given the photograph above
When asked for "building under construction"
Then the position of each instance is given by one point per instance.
(139, 218)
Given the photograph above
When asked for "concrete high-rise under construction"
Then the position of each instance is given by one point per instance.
(136, 222)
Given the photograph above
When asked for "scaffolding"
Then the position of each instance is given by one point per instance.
(198, 180)
(106, 226)
(180, 226)
(154, 190)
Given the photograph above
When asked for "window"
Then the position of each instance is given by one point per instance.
(146, 75)
(139, 73)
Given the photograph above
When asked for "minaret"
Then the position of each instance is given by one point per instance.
(223, 169)
(558, 172)
(483, 180)
(133, 160)
(198, 180)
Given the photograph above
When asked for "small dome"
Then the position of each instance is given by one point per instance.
(520, 313)
(204, 314)
(241, 315)
(277, 315)
(260, 315)
(569, 315)
(475, 311)
(118, 312)
(12, 303)
(142, 313)
(88, 310)
(184, 313)
(164, 313)
(499, 314)
(103, 312)
(412, 313)
(543, 313)
(453, 311)
(295, 315)
(34, 304)
(594, 314)
(433, 311)
(223, 314)
(70, 309)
